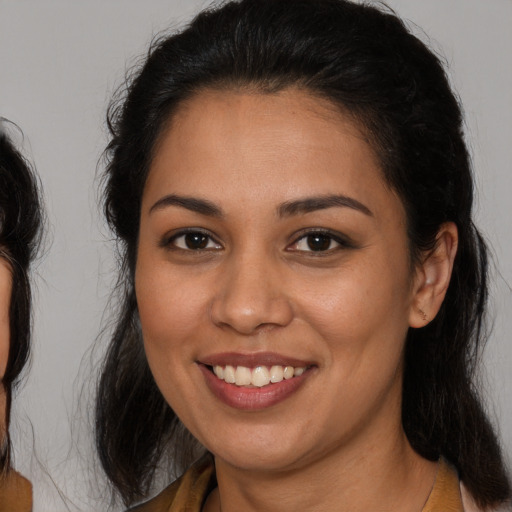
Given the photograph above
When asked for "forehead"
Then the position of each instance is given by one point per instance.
(259, 145)
(234, 112)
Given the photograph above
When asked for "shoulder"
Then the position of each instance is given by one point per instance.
(449, 494)
(186, 493)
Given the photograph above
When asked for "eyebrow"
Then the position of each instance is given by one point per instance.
(312, 204)
(287, 209)
(202, 206)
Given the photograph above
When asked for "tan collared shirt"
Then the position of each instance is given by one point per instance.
(189, 492)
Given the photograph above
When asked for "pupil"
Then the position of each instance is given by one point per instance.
(196, 240)
(319, 242)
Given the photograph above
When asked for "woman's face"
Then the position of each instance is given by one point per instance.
(270, 242)
(5, 301)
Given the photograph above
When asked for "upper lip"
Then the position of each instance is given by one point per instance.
(252, 360)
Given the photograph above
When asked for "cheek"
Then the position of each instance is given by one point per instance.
(361, 315)
(172, 312)
(166, 313)
(172, 316)
(356, 300)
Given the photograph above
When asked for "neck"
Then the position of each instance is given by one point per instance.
(386, 475)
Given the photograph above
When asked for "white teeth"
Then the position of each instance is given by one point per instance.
(258, 377)
(219, 371)
(276, 374)
(229, 374)
(243, 376)
(288, 372)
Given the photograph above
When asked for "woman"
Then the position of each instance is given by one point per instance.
(304, 288)
(20, 223)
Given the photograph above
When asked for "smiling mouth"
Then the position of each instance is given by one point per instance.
(257, 377)
(254, 382)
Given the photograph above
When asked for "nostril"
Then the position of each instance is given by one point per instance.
(251, 313)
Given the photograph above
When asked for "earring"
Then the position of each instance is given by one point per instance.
(423, 315)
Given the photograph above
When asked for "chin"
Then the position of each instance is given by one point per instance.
(273, 453)
(256, 461)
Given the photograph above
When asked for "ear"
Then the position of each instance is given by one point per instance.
(433, 276)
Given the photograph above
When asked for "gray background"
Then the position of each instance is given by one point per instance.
(59, 63)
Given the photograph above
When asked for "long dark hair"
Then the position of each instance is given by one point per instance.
(363, 59)
(21, 220)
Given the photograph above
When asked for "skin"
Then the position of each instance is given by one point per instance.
(5, 299)
(258, 287)
(15, 490)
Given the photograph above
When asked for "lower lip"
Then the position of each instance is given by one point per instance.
(252, 399)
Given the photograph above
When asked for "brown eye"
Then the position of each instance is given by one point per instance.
(316, 242)
(194, 241)
(319, 242)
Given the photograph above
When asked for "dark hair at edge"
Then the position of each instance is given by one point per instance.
(364, 61)
(21, 220)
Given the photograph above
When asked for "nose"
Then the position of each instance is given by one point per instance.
(251, 297)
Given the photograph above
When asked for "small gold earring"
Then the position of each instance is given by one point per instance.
(423, 315)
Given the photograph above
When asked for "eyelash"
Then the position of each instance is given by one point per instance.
(170, 242)
(328, 236)
(342, 241)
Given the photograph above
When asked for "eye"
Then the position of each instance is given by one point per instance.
(318, 241)
(193, 241)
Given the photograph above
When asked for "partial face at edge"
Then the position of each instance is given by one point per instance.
(5, 301)
(241, 257)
